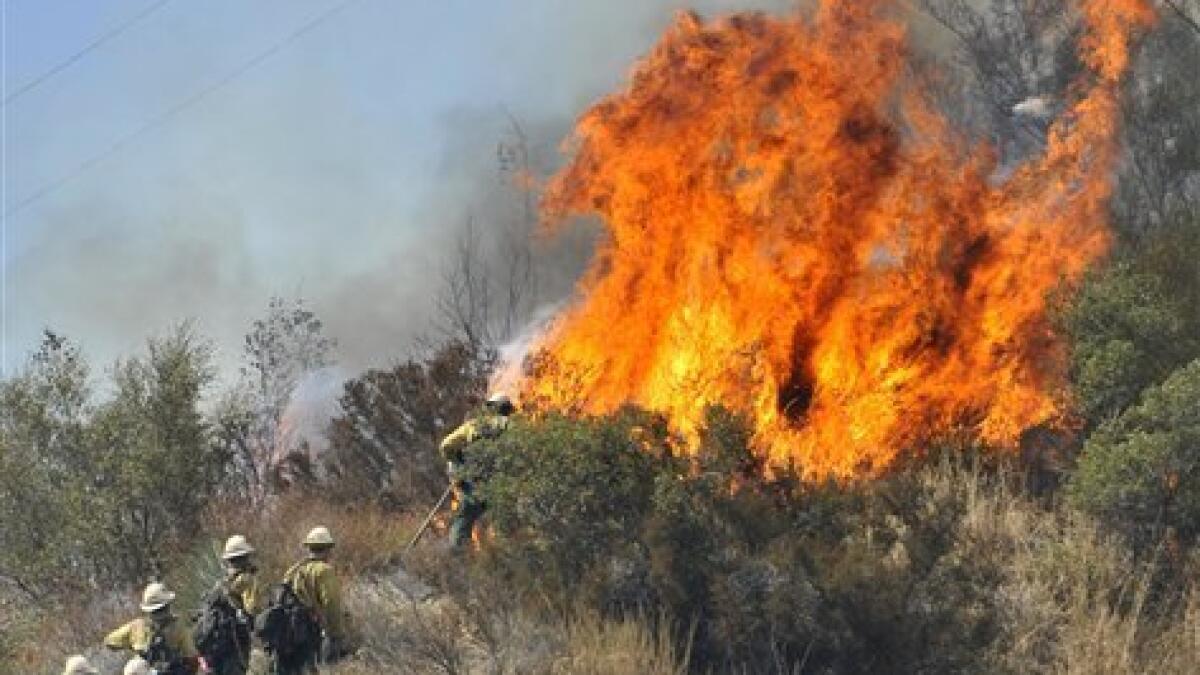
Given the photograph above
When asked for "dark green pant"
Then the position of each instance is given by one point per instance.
(299, 664)
(231, 666)
(470, 508)
(327, 651)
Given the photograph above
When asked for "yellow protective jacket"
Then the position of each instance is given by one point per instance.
(137, 634)
(318, 587)
(484, 426)
(244, 591)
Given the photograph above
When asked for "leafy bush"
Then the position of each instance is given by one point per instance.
(153, 454)
(766, 573)
(43, 412)
(570, 490)
(93, 494)
(1127, 332)
(1141, 469)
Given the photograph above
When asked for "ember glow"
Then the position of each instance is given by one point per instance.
(793, 232)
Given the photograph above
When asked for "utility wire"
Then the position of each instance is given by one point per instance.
(78, 56)
(172, 112)
(1192, 23)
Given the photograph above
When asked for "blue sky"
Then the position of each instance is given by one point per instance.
(334, 169)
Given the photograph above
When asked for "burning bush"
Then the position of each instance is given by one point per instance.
(795, 233)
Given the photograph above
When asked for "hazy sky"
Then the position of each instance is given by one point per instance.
(333, 169)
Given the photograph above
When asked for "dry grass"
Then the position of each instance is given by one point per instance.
(49, 637)
(402, 634)
(1070, 599)
(368, 539)
(596, 646)
(1073, 599)
(464, 622)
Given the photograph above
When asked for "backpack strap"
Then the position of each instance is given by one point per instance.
(158, 638)
(290, 571)
(287, 582)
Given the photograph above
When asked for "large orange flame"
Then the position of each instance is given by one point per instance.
(794, 233)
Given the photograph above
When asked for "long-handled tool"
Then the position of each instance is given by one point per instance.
(429, 519)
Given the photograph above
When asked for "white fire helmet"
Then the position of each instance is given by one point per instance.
(236, 547)
(78, 665)
(319, 536)
(155, 597)
(137, 666)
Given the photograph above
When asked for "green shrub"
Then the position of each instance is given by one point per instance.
(572, 489)
(1127, 331)
(768, 573)
(94, 493)
(1141, 470)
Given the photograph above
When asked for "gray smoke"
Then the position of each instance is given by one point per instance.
(296, 181)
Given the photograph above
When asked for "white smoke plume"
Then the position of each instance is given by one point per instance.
(313, 402)
(513, 353)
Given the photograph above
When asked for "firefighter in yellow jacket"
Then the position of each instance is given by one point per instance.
(317, 586)
(491, 424)
(158, 636)
(241, 582)
(241, 587)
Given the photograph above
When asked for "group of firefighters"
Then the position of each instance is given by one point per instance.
(161, 643)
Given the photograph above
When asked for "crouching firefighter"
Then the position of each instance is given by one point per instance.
(158, 636)
(223, 629)
(492, 423)
(304, 623)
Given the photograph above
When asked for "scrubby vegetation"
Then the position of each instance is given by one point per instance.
(614, 547)
(945, 567)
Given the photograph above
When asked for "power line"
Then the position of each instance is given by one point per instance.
(1194, 24)
(89, 48)
(170, 113)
